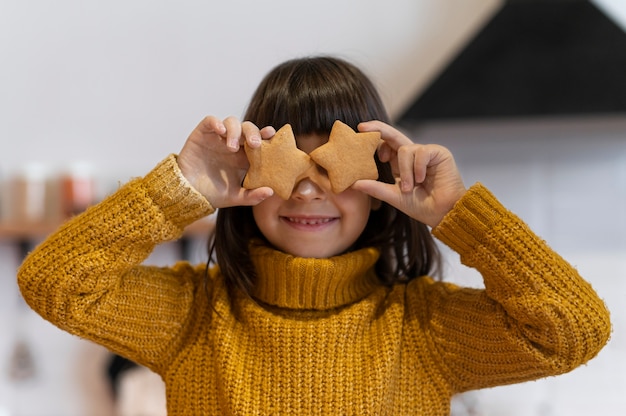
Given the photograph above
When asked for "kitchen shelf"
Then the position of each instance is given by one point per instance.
(38, 230)
(26, 231)
(25, 234)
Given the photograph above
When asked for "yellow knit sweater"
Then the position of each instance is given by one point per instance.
(322, 337)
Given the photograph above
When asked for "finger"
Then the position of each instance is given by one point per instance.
(249, 197)
(406, 166)
(392, 136)
(380, 190)
(268, 132)
(212, 124)
(233, 133)
(422, 160)
(384, 153)
(251, 134)
(372, 125)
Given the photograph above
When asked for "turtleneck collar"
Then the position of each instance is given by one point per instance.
(293, 282)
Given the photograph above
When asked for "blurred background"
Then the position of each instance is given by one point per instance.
(529, 95)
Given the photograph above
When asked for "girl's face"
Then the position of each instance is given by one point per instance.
(314, 221)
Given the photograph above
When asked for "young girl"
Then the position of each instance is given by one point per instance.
(322, 303)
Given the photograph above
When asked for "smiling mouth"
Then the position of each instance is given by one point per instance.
(309, 221)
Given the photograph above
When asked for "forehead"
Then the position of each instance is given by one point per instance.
(309, 142)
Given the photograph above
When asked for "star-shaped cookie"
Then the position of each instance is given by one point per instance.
(348, 156)
(277, 163)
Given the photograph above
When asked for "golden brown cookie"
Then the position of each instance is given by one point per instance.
(348, 156)
(277, 163)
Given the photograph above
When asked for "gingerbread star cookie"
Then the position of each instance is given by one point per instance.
(348, 156)
(277, 163)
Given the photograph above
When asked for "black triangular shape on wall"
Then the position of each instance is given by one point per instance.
(533, 58)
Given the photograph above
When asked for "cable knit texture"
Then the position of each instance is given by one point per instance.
(319, 336)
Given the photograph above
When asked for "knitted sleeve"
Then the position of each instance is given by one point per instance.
(536, 317)
(87, 278)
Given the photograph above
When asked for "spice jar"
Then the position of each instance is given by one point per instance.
(28, 196)
(77, 189)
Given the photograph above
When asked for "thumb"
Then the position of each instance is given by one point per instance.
(382, 191)
(254, 196)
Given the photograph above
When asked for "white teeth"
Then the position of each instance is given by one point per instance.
(309, 221)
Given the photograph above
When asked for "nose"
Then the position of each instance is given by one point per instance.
(306, 189)
(312, 185)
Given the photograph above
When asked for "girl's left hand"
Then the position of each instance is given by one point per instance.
(428, 183)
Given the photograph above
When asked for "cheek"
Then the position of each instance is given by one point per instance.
(266, 213)
(356, 205)
(355, 200)
(258, 213)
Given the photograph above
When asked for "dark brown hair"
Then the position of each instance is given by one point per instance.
(310, 94)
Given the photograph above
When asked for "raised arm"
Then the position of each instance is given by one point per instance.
(87, 278)
(537, 316)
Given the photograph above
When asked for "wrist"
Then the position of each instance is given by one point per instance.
(171, 190)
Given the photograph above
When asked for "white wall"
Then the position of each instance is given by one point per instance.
(119, 84)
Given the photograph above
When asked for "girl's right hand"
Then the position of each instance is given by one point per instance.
(214, 162)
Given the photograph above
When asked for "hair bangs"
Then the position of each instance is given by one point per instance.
(311, 95)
